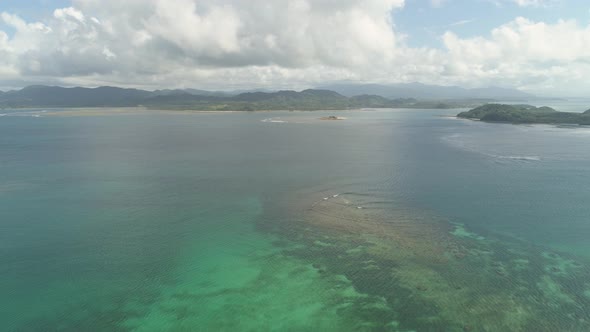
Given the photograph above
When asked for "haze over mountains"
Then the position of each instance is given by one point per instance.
(424, 91)
(329, 97)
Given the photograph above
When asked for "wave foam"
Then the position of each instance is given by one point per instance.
(458, 141)
(273, 120)
(525, 158)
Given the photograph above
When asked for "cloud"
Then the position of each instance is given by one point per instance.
(66, 13)
(525, 53)
(526, 3)
(533, 3)
(155, 38)
(437, 3)
(461, 22)
(284, 43)
(287, 33)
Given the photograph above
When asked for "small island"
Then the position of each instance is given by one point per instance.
(524, 114)
(331, 117)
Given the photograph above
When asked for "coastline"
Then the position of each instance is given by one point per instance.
(101, 111)
(549, 124)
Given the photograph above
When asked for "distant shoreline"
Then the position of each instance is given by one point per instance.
(96, 111)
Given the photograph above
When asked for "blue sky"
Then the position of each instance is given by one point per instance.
(30, 10)
(539, 46)
(424, 22)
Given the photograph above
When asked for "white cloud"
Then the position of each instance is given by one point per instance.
(437, 3)
(524, 53)
(461, 22)
(154, 38)
(283, 43)
(534, 3)
(66, 13)
(527, 3)
(289, 33)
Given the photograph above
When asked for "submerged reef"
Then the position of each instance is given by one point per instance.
(434, 275)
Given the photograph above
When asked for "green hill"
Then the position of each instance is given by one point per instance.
(187, 99)
(524, 114)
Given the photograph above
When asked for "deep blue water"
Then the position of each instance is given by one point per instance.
(105, 220)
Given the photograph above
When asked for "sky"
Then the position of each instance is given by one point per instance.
(538, 46)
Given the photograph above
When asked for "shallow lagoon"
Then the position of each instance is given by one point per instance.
(394, 220)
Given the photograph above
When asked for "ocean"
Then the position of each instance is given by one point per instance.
(388, 220)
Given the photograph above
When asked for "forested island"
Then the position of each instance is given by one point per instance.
(524, 114)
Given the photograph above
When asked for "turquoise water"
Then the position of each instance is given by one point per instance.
(399, 220)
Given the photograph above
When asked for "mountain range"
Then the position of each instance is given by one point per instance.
(333, 97)
(430, 92)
